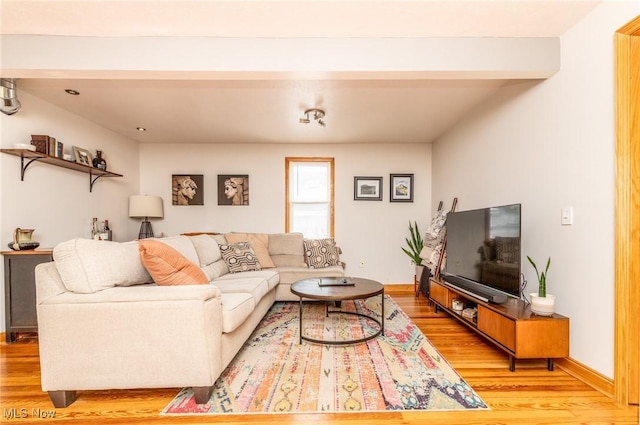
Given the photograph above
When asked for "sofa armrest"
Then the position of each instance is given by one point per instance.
(144, 336)
(139, 294)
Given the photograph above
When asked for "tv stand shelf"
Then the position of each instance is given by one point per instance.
(510, 326)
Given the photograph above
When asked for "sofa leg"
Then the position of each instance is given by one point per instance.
(202, 394)
(62, 398)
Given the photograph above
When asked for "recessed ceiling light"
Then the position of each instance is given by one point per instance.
(141, 129)
(72, 92)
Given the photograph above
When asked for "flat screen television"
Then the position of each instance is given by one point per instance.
(483, 252)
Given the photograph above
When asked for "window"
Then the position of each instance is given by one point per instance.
(309, 196)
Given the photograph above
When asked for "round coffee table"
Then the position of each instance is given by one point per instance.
(332, 290)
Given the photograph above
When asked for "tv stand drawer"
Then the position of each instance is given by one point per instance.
(498, 327)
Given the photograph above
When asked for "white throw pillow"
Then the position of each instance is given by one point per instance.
(87, 265)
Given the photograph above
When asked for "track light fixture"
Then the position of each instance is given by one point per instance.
(9, 99)
(316, 114)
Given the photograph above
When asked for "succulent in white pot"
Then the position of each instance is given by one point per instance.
(542, 304)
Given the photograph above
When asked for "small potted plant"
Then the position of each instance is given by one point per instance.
(414, 246)
(542, 303)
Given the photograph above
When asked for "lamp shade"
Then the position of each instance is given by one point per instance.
(145, 206)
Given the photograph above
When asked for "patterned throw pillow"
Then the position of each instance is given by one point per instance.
(240, 257)
(320, 253)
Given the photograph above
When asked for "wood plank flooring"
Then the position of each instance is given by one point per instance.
(530, 395)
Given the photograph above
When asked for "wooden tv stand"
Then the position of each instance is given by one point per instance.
(511, 326)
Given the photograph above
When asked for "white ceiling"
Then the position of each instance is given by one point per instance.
(263, 106)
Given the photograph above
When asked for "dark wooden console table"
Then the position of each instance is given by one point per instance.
(20, 290)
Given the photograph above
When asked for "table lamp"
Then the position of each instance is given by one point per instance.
(145, 206)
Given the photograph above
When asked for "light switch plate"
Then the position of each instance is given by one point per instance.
(567, 216)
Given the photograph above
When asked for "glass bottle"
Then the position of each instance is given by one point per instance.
(99, 162)
(95, 232)
(106, 231)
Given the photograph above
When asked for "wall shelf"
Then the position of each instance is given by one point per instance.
(27, 157)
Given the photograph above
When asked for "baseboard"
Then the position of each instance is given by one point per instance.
(587, 375)
(398, 288)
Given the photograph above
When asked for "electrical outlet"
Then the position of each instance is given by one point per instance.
(361, 264)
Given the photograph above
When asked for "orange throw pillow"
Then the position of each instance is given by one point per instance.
(167, 266)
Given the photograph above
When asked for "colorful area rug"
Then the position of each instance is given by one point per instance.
(273, 373)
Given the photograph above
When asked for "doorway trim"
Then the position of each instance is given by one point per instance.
(627, 214)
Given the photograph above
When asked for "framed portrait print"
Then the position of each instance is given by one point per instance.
(83, 156)
(401, 189)
(367, 188)
(187, 189)
(233, 189)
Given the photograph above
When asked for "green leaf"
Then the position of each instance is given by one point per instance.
(415, 243)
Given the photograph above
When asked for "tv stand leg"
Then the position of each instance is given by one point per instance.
(550, 364)
(512, 363)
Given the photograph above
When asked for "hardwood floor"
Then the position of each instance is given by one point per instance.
(530, 395)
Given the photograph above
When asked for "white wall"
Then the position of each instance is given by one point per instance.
(371, 231)
(548, 145)
(54, 201)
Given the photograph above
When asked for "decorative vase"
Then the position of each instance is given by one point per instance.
(99, 162)
(543, 306)
(22, 240)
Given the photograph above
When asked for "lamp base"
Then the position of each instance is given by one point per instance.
(145, 229)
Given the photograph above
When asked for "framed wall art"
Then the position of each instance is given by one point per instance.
(401, 189)
(83, 156)
(233, 189)
(187, 189)
(367, 188)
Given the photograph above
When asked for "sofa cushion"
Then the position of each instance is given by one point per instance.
(236, 307)
(240, 257)
(289, 275)
(270, 275)
(321, 253)
(258, 241)
(167, 266)
(257, 287)
(207, 249)
(182, 244)
(87, 265)
(216, 270)
(286, 249)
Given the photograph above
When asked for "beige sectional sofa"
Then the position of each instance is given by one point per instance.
(104, 323)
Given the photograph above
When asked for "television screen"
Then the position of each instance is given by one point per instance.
(483, 246)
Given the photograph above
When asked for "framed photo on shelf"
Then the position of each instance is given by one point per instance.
(83, 156)
(367, 188)
(401, 189)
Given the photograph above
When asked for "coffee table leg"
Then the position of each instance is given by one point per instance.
(300, 324)
(382, 311)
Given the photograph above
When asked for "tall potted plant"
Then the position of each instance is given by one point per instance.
(415, 244)
(542, 303)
